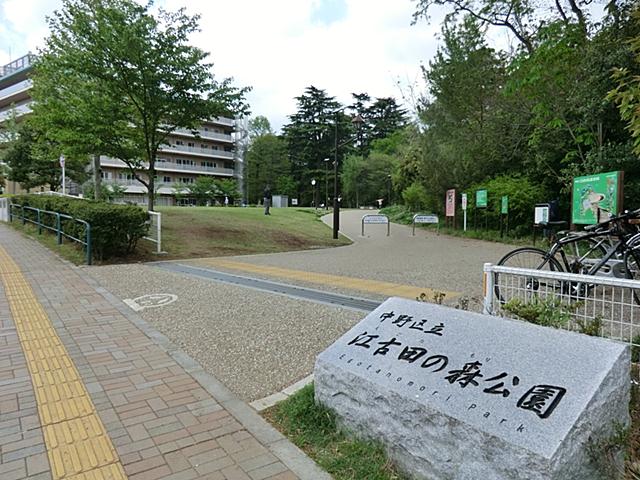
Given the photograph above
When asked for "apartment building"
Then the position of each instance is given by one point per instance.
(187, 155)
(15, 98)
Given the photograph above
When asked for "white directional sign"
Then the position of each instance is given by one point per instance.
(375, 219)
(425, 219)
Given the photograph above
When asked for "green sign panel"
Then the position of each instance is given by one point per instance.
(505, 205)
(481, 198)
(595, 197)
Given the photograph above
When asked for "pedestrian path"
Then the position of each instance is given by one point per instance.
(89, 391)
(388, 289)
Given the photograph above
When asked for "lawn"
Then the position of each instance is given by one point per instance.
(193, 232)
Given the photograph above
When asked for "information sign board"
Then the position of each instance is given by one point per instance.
(595, 197)
(464, 201)
(481, 199)
(450, 203)
(541, 214)
(504, 208)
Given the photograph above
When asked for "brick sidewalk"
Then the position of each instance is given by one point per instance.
(165, 416)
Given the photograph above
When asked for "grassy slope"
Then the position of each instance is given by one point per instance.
(191, 232)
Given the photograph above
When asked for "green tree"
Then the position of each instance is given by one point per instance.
(204, 190)
(266, 162)
(116, 79)
(227, 187)
(365, 180)
(415, 197)
(466, 124)
(626, 93)
(311, 135)
(259, 126)
(32, 161)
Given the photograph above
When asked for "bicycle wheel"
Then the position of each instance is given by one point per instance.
(632, 269)
(507, 287)
(582, 254)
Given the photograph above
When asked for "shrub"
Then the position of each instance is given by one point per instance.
(415, 197)
(115, 229)
(523, 196)
(549, 312)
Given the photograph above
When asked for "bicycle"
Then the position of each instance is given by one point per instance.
(610, 248)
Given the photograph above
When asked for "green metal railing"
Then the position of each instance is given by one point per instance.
(40, 216)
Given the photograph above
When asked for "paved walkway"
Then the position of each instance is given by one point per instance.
(400, 264)
(90, 391)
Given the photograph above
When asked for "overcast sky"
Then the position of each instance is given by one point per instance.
(279, 47)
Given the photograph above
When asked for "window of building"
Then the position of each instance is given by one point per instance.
(179, 142)
(204, 145)
(215, 147)
(191, 144)
(186, 179)
(166, 179)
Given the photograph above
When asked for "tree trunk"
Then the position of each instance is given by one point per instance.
(97, 179)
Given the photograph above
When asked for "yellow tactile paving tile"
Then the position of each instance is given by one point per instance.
(78, 446)
(374, 286)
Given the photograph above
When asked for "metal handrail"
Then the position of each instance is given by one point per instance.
(60, 234)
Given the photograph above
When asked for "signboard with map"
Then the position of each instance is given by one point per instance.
(596, 197)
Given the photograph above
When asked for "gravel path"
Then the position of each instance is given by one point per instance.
(255, 343)
(258, 343)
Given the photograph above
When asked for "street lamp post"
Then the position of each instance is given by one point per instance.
(389, 197)
(315, 196)
(326, 183)
(357, 120)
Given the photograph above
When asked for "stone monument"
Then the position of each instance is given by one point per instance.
(459, 395)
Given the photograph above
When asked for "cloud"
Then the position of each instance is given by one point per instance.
(280, 48)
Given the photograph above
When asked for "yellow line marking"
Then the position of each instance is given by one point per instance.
(77, 442)
(374, 286)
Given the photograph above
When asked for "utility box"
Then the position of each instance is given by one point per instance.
(280, 201)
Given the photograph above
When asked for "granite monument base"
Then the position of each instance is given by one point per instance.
(466, 396)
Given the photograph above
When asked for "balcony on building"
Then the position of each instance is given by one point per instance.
(17, 66)
(204, 134)
(186, 149)
(165, 165)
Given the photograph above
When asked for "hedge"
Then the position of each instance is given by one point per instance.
(115, 229)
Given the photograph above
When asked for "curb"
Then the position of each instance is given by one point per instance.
(271, 400)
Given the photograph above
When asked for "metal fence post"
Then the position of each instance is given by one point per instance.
(159, 230)
(88, 240)
(362, 221)
(58, 229)
(39, 221)
(487, 283)
(24, 219)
